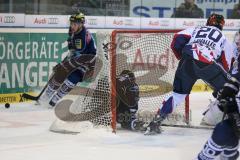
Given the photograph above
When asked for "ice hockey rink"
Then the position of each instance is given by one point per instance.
(24, 135)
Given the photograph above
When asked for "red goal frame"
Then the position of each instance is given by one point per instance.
(113, 73)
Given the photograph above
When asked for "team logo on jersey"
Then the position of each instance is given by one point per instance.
(78, 43)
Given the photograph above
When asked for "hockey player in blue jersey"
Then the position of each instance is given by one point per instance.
(203, 53)
(80, 42)
(224, 141)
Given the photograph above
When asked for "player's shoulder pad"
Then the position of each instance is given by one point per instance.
(187, 31)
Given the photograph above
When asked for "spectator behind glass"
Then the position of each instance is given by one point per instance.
(188, 10)
(236, 11)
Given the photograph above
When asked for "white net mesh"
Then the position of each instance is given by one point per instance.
(148, 55)
(93, 97)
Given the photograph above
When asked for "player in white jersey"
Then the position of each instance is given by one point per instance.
(204, 53)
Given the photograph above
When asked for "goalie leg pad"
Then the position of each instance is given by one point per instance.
(213, 115)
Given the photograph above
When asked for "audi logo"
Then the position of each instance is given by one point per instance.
(92, 22)
(201, 23)
(9, 19)
(53, 20)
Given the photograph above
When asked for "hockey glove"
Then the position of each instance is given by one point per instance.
(230, 89)
(226, 96)
(228, 105)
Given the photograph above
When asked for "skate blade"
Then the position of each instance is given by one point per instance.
(148, 132)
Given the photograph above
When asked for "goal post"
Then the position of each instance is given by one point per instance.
(148, 55)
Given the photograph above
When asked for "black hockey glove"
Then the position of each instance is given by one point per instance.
(226, 96)
(228, 105)
(230, 89)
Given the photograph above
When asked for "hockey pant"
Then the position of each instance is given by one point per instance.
(212, 115)
(66, 75)
(223, 143)
(188, 72)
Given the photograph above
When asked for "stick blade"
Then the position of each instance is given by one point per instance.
(28, 96)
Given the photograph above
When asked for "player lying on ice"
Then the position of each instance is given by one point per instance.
(73, 68)
(224, 141)
(213, 115)
(203, 53)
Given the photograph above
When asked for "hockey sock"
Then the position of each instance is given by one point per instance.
(170, 104)
(66, 87)
(210, 151)
(50, 90)
(230, 154)
(167, 107)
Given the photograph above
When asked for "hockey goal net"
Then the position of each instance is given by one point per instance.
(144, 52)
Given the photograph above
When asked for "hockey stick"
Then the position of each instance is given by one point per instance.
(189, 126)
(180, 126)
(35, 98)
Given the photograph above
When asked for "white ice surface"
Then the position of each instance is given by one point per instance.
(24, 135)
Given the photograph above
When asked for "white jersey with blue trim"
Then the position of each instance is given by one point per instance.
(208, 44)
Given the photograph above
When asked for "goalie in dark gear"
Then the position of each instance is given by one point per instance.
(127, 100)
(224, 141)
(76, 65)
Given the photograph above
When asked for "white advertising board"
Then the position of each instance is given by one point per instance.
(50, 21)
(9, 20)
